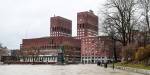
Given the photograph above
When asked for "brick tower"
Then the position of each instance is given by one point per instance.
(60, 26)
(87, 24)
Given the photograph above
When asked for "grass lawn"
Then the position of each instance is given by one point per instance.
(140, 66)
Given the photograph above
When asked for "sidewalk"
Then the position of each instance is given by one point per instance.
(130, 69)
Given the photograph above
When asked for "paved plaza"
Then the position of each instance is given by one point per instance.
(60, 70)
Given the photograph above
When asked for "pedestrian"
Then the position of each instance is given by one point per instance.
(98, 63)
(105, 65)
(113, 66)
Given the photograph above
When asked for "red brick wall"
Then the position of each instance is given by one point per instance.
(87, 24)
(96, 46)
(60, 26)
(51, 45)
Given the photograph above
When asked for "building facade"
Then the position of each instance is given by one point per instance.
(94, 49)
(15, 52)
(60, 26)
(87, 24)
(50, 46)
(3, 52)
(86, 47)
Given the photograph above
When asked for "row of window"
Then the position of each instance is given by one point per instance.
(61, 29)
(60, 35)
(47, 47)
(93, 57)
(88, 26)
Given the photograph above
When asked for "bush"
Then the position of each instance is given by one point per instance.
(139, 54)
(128, 52)
(143, 54)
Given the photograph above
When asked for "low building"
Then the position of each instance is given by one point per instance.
(50, 46)
(15, 52)
(3, 52)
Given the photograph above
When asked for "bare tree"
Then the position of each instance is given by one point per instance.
(145, 22)
(119, 19)
(145, 6)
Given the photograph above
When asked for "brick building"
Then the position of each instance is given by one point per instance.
(86, 47)
(87, 24)
(60, 35)
(60, 26)
(50, 46)
(141, 38)
(95, 49)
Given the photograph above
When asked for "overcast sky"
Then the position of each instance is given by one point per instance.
(21, 19)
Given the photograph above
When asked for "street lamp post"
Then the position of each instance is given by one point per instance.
(114, 48)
